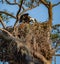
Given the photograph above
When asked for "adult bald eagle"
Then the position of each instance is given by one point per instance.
(26, 18)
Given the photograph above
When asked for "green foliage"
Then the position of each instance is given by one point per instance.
(56, 31)
(54, 36)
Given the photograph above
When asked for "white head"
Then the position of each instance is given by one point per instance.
(33, 20)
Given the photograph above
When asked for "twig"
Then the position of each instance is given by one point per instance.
(10, 36)
(55, 26)
(3, 12)
(6, 32)
(55, 4)
(3, 24)
(57, 54)
(12, 3)
(18, 13)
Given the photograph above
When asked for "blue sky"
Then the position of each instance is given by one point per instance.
(40, 13)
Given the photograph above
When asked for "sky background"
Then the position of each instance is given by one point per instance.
(40, 13)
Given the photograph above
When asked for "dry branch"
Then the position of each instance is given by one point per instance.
(12, 3)
(44, 2)
(55, 4)
(18, 13)
(57, 54)
(3, 12)
(3, 24)
(6, 32)
(9, 35)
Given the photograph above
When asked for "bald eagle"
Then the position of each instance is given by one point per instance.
(26, 18)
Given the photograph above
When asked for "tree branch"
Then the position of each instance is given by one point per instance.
(44, 2)
(3, 12)
(57, 54)
(54, 26)
(55, 4)
(40, 56)
(18, 13)
(3, 24)
(50, 13)
(6, 32)
(12, 3)
(10, 36)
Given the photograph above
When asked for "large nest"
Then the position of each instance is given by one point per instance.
(35, 36)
